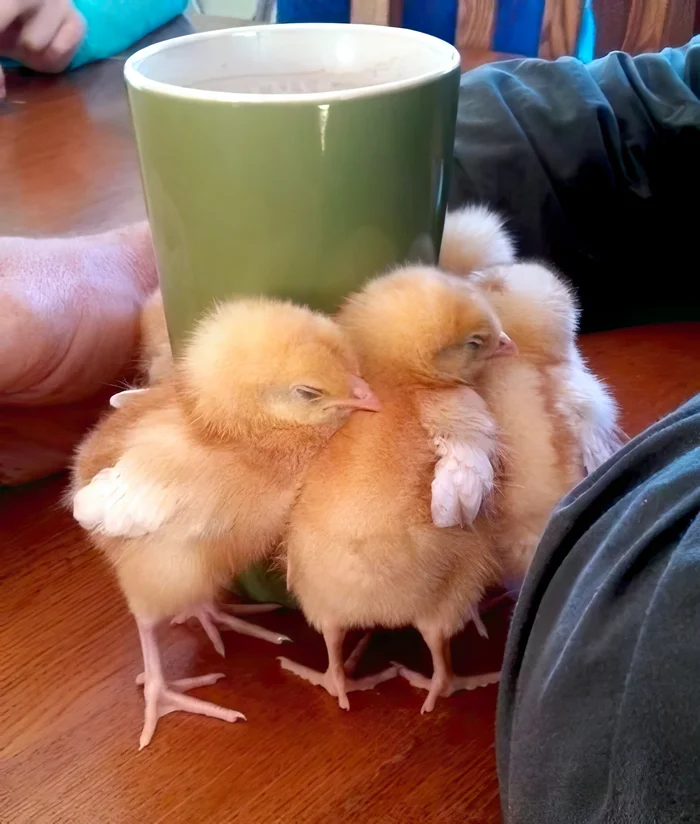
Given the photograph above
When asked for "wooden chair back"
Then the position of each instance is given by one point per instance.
(633, 26)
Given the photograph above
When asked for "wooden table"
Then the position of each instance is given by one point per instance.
(70, 713)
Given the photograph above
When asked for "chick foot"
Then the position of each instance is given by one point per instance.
(327, 681)
(210, 615)
(444, 687)
(338, 683)
(162, 697)
(185, 684)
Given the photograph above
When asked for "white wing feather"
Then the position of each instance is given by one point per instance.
(597, 413)
(465, 436)
(598, 446)
(463, 479)
(122, 398)
(114, 503)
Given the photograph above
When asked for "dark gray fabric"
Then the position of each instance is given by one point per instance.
(598, 169)
(599, 707)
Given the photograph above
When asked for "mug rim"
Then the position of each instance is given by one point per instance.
(140, 82)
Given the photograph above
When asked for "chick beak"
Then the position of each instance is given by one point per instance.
(505, 346)
(361, 396)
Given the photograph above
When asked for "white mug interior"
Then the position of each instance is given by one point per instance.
(302, 62)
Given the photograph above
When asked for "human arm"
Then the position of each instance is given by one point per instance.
(594, 167)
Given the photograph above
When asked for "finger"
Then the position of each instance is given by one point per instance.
(42, 26)
(10, 10)
(60, 52)
(68, 38)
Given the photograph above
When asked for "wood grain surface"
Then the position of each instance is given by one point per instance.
(475, 24)
(67, 138)
(70, 713)
(611, 24)
(652, 369)
(637, 26)
(68, 161)
(376, 12)
(645, 25)
(560, 28)
(680, 22)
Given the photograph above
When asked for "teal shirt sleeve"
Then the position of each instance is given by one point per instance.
(114, 25)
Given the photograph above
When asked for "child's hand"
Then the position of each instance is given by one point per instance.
(40, 34)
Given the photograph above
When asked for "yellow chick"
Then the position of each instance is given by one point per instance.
(475, 238)
(156, 357)
(193, 480)
(363, 549)
(155, 360)
(557, 420)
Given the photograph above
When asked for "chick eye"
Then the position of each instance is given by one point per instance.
(307, 393)
(475, 342)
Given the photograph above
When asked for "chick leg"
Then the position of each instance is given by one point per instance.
(335, 679)
(475, 617)
(209, 615)
(485, 607)
(163, 698)
(444, 682)
(439, 647)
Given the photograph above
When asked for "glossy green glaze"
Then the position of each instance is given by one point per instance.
(264, 583)
(301, 199)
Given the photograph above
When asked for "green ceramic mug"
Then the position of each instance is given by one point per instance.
(293, 160)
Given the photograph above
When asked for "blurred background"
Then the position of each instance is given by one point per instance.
(206, 14)
(585, 29)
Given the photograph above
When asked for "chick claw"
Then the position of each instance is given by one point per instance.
(325, 680)
(209, 616)
(449, 687)
(184, 684)
(163, 698)
(328, 682)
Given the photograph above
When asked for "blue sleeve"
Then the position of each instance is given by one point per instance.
(114, 25)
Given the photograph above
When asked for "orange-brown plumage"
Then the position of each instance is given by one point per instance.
(155, 354)
(556, 419)
(362, 547)
(193, 480)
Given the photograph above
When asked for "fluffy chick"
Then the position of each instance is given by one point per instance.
(155, 362)
(475, 238)
(192, 481)
(156, 357)
(557, 419)
(362, 547)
